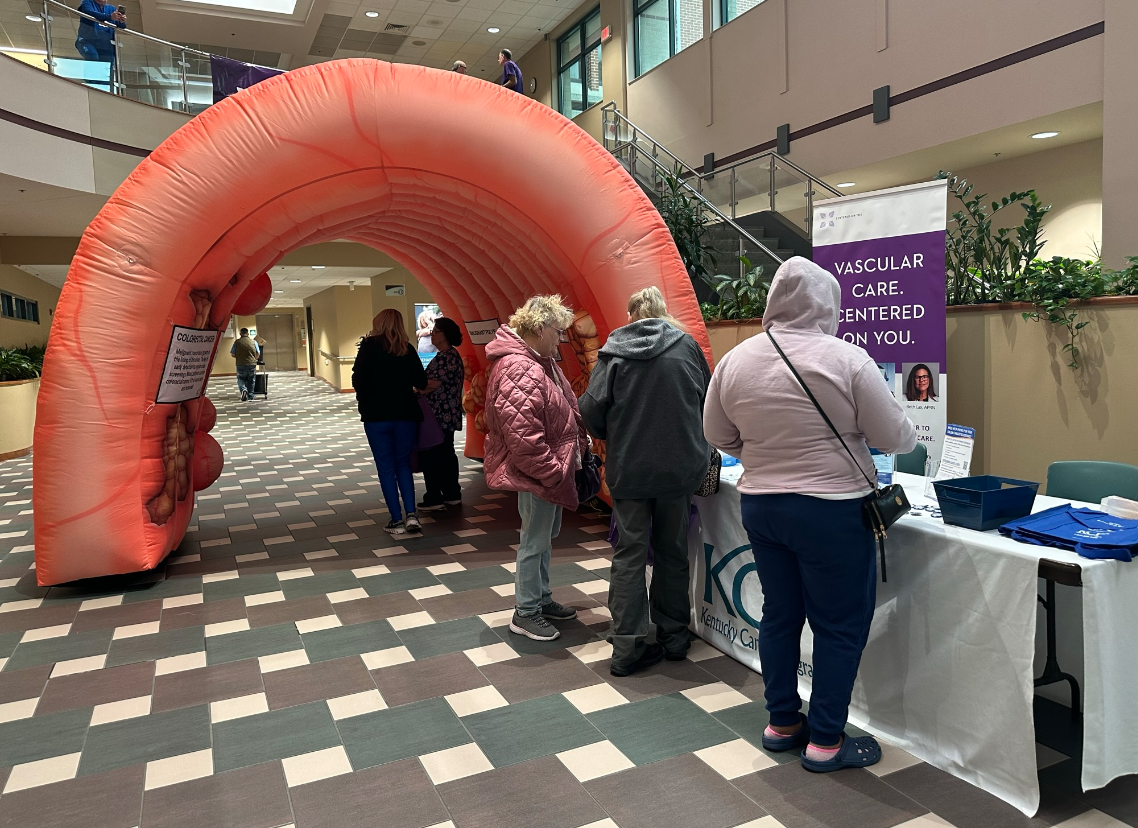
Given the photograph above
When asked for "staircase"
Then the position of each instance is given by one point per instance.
(760, 208)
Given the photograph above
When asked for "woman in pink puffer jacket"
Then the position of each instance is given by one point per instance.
(535, 440)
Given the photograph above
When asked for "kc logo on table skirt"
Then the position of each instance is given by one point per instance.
(732, 596)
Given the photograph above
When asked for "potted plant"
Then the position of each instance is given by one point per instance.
(738, 315)
(19, 385)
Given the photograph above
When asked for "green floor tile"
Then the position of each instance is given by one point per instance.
(279, 638)
(483, 577)
(8, 642)
(529, 730)
(398, 581)
(65, 648)
(159, 645)
(353, 639)
(319, 584)
(240, 587)
(145, 738)
(447, 637)
(401, 732)
(570, 573)
(57, 734)
(170, 588)
(275, 735)
(749, 721)
(660, 728)
(573, 634)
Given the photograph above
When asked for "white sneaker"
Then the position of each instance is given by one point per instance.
(412, 523)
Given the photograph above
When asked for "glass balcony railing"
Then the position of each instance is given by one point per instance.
(131, 65)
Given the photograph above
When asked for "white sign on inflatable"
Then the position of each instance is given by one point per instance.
(188, 361)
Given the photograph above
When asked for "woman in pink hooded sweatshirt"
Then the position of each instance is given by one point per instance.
(801, 496)
(535, 440)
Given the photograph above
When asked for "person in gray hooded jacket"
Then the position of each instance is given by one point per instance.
(645, 398)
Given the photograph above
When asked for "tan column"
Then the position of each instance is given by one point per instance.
(1120, 134)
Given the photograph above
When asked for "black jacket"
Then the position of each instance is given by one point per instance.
(385, 383)
(645, 399)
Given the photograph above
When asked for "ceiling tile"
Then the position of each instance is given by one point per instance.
(477, 15)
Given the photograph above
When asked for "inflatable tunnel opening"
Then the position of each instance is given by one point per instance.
(484, 196)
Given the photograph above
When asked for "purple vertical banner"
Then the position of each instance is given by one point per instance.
(893, 294)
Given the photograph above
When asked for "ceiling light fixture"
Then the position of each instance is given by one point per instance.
(35, 18)
(848, 184)
(493, 30)
(317, 267)
(1045, 135)
(278, 291)
(295, 281)
(371, 14)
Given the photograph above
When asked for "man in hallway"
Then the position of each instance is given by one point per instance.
(247, 355)
(511, 72)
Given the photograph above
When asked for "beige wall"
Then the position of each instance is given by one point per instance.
(1119, 128)
(15, 333)
(340, 316)
(1068, 178)
(414, 294)
(224, 364)
(18, 414)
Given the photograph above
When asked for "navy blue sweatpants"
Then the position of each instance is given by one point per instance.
(815, 560)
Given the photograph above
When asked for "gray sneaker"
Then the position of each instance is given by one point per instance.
(533, 626)
(558, 612)
(412, 523)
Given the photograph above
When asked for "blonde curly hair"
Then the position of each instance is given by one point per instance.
(541, 312)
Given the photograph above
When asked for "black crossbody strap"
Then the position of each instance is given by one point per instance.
(809, 394)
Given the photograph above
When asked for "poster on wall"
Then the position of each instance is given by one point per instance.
(886, 249)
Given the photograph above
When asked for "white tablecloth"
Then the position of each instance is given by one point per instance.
(949, 668)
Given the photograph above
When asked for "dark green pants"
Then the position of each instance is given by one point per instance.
(665, 521)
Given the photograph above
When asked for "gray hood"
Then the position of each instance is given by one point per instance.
(803, 297)
(645, 339)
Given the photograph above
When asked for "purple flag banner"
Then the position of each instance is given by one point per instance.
(231, 76)
(886, 249)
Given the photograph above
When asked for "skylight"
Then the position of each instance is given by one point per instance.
(270, 6)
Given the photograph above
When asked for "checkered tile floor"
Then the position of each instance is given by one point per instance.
(294, 665)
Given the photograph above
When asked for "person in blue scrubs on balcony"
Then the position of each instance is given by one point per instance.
(96, 41)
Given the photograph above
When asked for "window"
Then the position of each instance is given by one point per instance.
(665, 27)
(579, 66)
(16, 307)
(730, 9)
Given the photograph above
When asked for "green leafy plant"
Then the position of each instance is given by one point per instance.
(740, 297)
(1123, 282)
(1056, 288)
(680, 209)
(34, 353)
(15, 366)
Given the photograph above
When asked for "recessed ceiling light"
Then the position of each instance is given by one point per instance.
(35, 18)
(1045, 135)
(434, 22)
(317, 267)
(278, 291)
(418, 43)
(295, 281)
(493, 30)
(371, 14)
(848, 184)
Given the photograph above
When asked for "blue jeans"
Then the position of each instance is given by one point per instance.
(815, 560)
(392, 443)
(245, 374)
(541, 523)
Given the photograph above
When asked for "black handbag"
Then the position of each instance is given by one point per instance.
(710, 484)
(886, 505)
(588, 477)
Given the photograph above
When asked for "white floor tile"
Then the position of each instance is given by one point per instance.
(767, 822)
(511, 567)
(892, 759)
(446, 569)
(135, 630)
(42, 772)
(117, 711)
(931, 820)
(497, 619)
(492, 654)
(604, 823)
(16, 606)
(175, 769)
(596, 529)
(592, 652)
(715, 697)
(701, 651)
(179, 663)
(371, 571)
(293, 574)
(13, 711)
(734, 759)
(387, 658)
(455, 763)
(322, 553)
(282, 661)
(597, 697)
(78, 665)
(505, 590)
(350, 536)
(324, 622)
(312, 767)
(592, 587)
(597, 563)
(388, 551)
(595, 760)
(344, 707)
(262, 598)
(226, 627)
(478, 700)
(182, 600)
(469, 533)
(277, 540)
(238, 708)
(433, 591)
(101, 603)
(344, 595)
(447, 824)
(214, 577)
(251, 556)
(1088, 819)
(460, 548)
(44, 633)
(410, 620)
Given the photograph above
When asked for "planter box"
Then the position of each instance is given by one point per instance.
(726, 334)
(18, 413)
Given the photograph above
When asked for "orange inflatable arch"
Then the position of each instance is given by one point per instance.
(484, 195)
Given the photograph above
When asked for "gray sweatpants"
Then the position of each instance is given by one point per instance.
(665, 521)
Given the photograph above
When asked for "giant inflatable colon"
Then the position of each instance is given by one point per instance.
(485, 196)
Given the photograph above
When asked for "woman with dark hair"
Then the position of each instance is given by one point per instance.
(444, 393)
(385, 375)
(919, 386)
